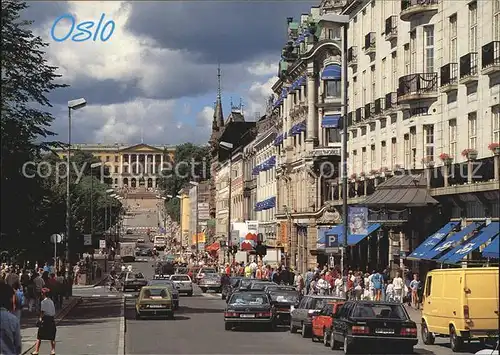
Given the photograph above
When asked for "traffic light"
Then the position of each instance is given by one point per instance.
(260, 249)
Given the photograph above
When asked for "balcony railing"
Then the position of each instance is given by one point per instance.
(369, 110)
(449, 74)
(491, 57)
(349, 119)
(379, 105)
(391, 28)
(359, 115)
(417, 84)
(370, 41)
(391, 100)
(409, 8)
(352, 55)
(468, 67)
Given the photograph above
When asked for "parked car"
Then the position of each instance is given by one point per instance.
(134, 281)
(282, 300)
(248, 307)
(154, 301)
(210, 282)
(301, 317)
(373, 325)
(183, 283)
(322, 323)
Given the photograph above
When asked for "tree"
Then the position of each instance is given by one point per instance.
(191, 163)
(27, 79)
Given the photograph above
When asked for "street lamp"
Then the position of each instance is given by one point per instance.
(196, 185)
(229, 148)
(72, 105)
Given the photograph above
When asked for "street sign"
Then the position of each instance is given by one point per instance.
(87, 239)
(56, 238)
(235, 237)
(331, 243)
(102, 244)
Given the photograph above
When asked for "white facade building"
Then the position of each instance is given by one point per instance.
(423, 81)
(222, 201)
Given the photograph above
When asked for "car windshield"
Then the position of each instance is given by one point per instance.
(245, 282)
(159, 239)
(155, 293)
(318, 303)
(167, 283)
(180, 278)
(212, 276)
(138, 275)
(208, 271)
(284, 296)
(234, 281)
(249, 299)
(379, 310)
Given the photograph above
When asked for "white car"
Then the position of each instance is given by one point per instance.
(183, 283)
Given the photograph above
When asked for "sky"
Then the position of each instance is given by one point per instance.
(155, 78)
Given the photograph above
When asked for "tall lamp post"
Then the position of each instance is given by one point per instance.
(72, 105)
(229, 148)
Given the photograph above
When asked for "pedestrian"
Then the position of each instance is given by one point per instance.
(19, 304)
(398, 288)
(414, 287)
(46, 323)
(39, 284)
(10, 328)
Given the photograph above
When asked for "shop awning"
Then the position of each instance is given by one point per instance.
(433, 240)
(492, 250)
(331, 121)
(213, 247)
(353, 239)
(458, 253)
(332, 72)
(450, 242)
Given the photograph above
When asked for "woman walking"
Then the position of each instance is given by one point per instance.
(46, 323)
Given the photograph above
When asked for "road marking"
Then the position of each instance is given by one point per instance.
(211, 295)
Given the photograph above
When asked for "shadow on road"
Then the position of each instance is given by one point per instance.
(188, 310)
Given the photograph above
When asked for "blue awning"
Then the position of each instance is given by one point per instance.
(450, 242)
(331, 121)
(268, 164)
(433, 240)
(492, 250)
(279, 139)
(256, 170)
(353, 239)
(461, 251)
(332, 72)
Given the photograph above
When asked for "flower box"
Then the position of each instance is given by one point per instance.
(495, 148)
(470, 154)
(427, 161)
(446, 159)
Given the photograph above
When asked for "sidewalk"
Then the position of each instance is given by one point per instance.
(415, 314)
(28, 321)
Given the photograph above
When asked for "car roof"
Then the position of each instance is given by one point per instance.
(180, 275)
(153, 287)
(326, 297)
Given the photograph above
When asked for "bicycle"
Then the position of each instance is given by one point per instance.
(114, 285)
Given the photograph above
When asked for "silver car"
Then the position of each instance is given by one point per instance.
(160, 281)
(210, 282)
(183, 283)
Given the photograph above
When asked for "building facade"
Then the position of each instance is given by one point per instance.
(222, 182)
(198, 206)
(130, 166)
(185, 218)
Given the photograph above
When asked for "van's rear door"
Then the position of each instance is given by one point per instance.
(481, 298)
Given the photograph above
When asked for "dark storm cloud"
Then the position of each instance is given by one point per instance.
(228, 32)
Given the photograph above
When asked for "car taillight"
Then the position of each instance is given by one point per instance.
(466, 312)
(264, 314)
(408, 332)
(230, 314)
(356, 329)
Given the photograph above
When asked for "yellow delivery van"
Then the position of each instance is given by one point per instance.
(461, 304)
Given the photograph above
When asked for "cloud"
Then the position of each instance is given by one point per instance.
(205, 117)
(263, 69)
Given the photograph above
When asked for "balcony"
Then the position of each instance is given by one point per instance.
(490, 58)
(418, 86)
(411, 8)
(379, 106)
(449, 77)
(359, 115)
(469, 69)
(352, 56)
(391, 28)
(370, 40)
(391, 101)
(369, 110)
(349, 119)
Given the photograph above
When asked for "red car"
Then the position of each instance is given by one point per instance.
(322, 322)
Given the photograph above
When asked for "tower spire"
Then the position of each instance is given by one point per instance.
(218, 115)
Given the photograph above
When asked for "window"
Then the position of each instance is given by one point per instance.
(383, 153)
(452, 132)
(472, 118)
(363, 158)
(363, 131)
(496, 20)
(383, 123)
(373, 126)
(373, 156)
(332, 135)
(394, 66)
(429, 142)
(116, 169)
(384, 73)
(333, 88)
(495, 123)
(413, 145)
(394, 153)
(354, 158)
(407, 150)
(453, 50)
(413, 51)
(354, 133)
(473, 27)
(334, 33)
(428, 284)
(364, 98)
(116, 158)
(107, 157)
(374, 83)
(407, 58)
(429, 49)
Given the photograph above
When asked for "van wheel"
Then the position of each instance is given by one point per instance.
(304, 331)
(456, 342)
(427, 336)
(326, 337)
(347, 348)
(334, 345)
(293, 329)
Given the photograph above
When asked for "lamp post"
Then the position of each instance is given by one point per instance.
(72, 105)
(229, 148)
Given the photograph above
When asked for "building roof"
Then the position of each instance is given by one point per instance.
(112, 147)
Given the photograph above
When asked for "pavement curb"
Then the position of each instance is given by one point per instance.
(60, 316)
(121, 336)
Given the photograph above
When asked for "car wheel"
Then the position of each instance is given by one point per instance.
(171, 315)
(203, 289)
(304, 331)
(190, 293)
(427, 337)
(228, 326)
(347, 348)
(223, 297)
(293, 329)
(334, 345)
(326, 337)
(314, 338)
(456, 342)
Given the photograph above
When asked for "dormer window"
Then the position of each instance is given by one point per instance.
(331, 76)
(334, 33)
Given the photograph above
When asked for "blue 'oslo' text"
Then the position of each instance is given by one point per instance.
(103, 31)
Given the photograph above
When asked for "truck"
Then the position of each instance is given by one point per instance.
(127, 252)
(160, 242)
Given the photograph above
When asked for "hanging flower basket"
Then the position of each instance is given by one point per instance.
(495, 148)
(470, 154)
(354, 176)
(362, 174)
(446, 159)
(428, 162)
